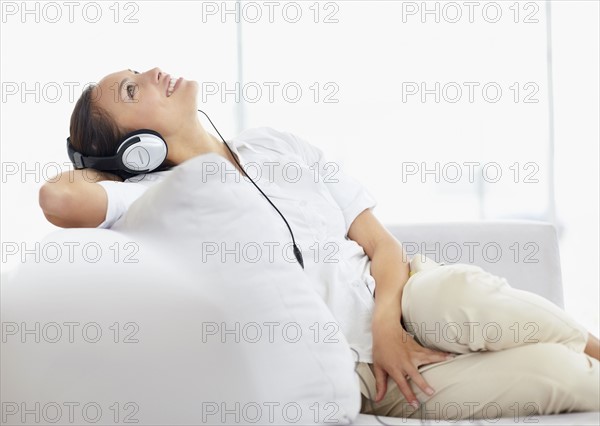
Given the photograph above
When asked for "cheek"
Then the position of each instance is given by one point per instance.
(142, 118)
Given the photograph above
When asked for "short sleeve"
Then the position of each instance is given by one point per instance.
(120, 196)
(350, 195)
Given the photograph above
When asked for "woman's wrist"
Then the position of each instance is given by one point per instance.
(386, 312)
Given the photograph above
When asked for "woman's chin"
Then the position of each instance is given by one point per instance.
(190, 86)
(189, 83)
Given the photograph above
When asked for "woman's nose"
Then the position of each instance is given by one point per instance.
(155, 74)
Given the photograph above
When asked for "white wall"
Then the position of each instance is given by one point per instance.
(576, 47)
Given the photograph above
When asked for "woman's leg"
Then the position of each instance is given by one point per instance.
(461, 308)
(545, 378)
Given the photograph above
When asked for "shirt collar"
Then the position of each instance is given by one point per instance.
(239, 147)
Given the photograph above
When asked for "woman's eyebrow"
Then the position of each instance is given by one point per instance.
(135, 72)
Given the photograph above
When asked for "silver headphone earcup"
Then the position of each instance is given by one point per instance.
(142, 152)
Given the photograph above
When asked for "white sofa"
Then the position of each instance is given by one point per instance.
(524, 252)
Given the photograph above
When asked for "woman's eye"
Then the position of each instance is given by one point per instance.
(130, 90)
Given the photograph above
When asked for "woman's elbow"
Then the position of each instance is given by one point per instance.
(55, 201)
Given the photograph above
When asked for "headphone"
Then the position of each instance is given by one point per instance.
(144, 151)
(140, 151)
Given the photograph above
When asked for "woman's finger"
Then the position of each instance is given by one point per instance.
(404, 387)
(420, 381)
(380, 382)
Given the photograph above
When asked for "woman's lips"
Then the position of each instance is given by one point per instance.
(177, 84)
(167, 80)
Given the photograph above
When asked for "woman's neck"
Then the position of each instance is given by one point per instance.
(194, 140)
(191, 141)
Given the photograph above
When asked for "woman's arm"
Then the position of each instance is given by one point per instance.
(389, 266)
(395, 352)
(74, 199)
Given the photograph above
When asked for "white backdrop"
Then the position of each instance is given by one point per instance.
(387, 89)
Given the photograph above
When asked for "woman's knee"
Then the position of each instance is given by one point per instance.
(534, 379)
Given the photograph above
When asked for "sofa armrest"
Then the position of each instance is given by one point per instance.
(524, 252)
(142, 329)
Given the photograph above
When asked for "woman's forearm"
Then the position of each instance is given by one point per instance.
(390, 270)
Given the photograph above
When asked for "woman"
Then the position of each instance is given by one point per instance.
(472, 380)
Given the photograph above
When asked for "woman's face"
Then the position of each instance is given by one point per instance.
(143, 100)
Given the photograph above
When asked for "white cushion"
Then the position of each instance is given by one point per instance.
(149, 358)
(186, 368)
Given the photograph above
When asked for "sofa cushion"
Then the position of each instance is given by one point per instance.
(228, 325)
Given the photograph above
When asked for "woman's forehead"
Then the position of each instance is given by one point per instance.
(114, 77)
(104, 90)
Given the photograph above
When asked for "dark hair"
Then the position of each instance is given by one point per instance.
(93, 131)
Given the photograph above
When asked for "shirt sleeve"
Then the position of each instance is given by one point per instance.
(120, 196)
(350, 195)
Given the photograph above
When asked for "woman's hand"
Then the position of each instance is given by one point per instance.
(397, 354)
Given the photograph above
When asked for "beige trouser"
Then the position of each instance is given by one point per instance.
(519, 354)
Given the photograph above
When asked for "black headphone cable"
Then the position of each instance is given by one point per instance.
(297, 252)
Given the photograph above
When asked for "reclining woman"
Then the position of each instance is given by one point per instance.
(406, 373)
